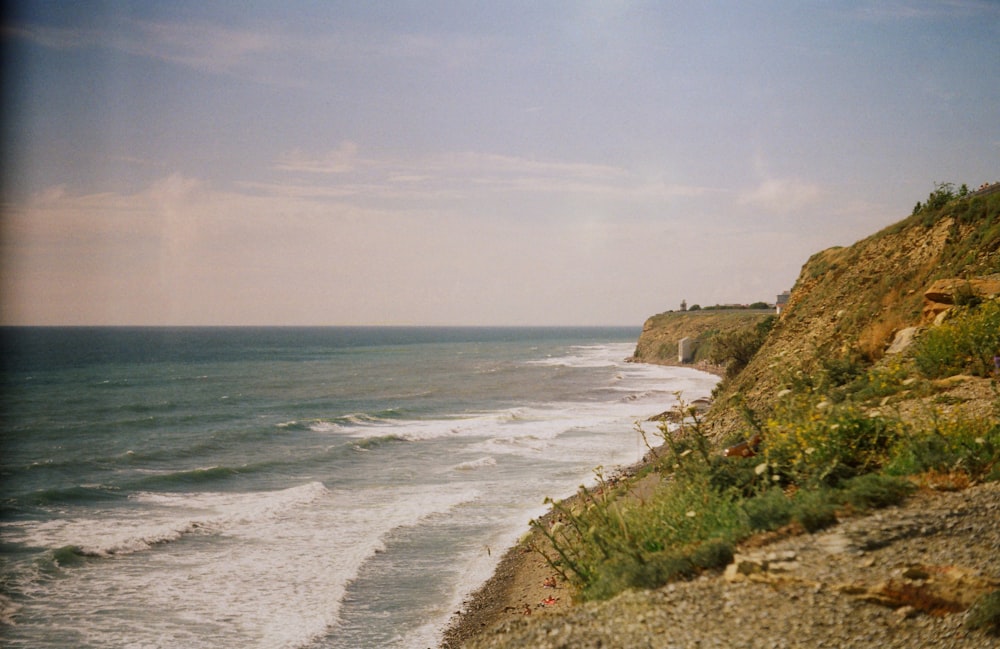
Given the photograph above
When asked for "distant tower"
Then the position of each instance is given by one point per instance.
(781, 302)
(684, 305)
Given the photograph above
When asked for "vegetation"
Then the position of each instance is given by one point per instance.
(734, 349)
(820, 460)
(662, 332)
(967, 343)
(834, 437)
(985, 614)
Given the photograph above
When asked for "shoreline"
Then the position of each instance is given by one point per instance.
(517, 588)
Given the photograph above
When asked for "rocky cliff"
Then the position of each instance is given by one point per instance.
(849, 304)
(661, 333)
(854, 337)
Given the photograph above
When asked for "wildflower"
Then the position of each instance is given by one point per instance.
(760, 468)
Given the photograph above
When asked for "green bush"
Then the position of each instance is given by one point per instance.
(985, 614)
(603, 545)
(874, 490)
(812, 442)
(971, 446)
(734, 349)
(768, 511)
(814, 509)
(964, 344)
(888, 378)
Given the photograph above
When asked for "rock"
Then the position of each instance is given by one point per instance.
(940, 296)
(943, 291)
(916, 572)
(744, 566)
(904, 338)
(934, 590)
(762, 568)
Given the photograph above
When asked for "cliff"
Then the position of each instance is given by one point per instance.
(876, 388)
(848, 304)
(661, 333)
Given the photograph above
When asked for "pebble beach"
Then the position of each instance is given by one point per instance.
(807, 590)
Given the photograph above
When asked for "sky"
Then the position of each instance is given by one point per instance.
(467, 163)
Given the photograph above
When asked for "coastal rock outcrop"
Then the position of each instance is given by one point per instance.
(944, 293)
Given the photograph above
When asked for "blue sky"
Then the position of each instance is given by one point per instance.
(468, 163)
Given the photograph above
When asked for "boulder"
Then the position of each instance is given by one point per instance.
(940, 296)
(934, 590)
(903, 339)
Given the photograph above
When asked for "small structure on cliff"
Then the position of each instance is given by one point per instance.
(781, 301)
(685, 350)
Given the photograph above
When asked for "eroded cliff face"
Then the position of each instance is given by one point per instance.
(661, 333)
(849, 303)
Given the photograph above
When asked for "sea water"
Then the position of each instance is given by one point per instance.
(330, 487)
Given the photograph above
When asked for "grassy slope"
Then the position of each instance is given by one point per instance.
(848, 303)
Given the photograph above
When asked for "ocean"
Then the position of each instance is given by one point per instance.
(292, 487)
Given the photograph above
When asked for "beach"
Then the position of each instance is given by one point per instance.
(838, 588)
(517, 588)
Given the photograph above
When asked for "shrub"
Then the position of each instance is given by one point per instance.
(734, 349)
(942, 194)
(970, 446)
(812, 442)
(841, 371)
(768, 511)
(605, 545)
(875, 490)
(985, 614)
(966, 343)
(814, 509)
(887, 379)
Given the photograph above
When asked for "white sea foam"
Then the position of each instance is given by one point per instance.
(278, 564)
(589, 356)
(472, 465)
(324, 426)
(104, 533)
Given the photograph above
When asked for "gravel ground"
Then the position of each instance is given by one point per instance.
(815, 593)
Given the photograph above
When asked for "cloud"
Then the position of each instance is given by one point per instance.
(181, 251)
(782, 195)
(927, 9)
(341, 160)
(204, 46)
(265, 54)
(457, 174)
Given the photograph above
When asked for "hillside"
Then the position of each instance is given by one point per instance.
(849, 303)
(876, 389)
(661, 333)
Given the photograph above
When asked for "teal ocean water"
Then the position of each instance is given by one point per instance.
(330, 487)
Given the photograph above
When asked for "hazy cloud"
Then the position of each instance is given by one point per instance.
(782, 195)
(341, 160)
(458, 173)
